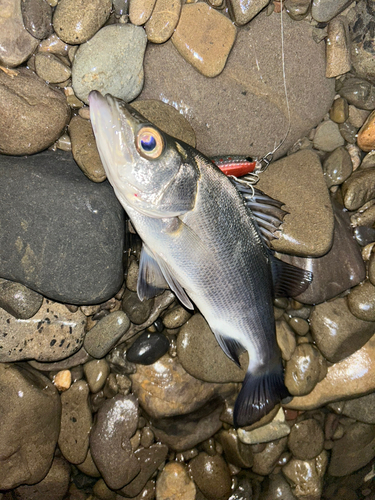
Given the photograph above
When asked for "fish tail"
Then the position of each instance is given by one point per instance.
(261, 391)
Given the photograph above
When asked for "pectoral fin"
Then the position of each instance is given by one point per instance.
(231, 347)
(288, 280)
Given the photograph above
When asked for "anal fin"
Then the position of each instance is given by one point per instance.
(288, 280)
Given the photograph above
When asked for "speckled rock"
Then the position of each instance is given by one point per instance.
(306, 439)
(140, 11)
(266, 460)
(104, 335)
(362, 50)
(76, 23)
(70, 247)
(361, 301)
(211, 475)
(275, 429)
(324, 10)
(338, 48)
(337, 167)
(160, 27)
(110, 446)
(327, 136)
(306, 476)
(243, 12)
(112, 63)
(339, 112)
(25, 392)
(51, 68)
(18, 300)
(337, 332)
(52, 333)
(84, 149)
(37, 17)
(167, 118)
(28, 104)
(96, 373)
(304, 370)
(308, 226)
(174, 483)
(358, 92)
(137, 310)
(76, 421)
(202, 357)
(148, 348)
(253, 100)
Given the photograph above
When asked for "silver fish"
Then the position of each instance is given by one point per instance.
(201, 238)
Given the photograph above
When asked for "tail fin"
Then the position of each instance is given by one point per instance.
(259, 394)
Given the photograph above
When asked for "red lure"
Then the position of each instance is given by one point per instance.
(237, 166)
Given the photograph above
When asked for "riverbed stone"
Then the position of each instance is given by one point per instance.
(253, 100)
(306, 439)
(362, 50)
(18, 300)
(140, 11)
(304, 369)
(105, 334)
(236, 452)
(37, 17)
(211, 475)
(70, 247)
(174, 483)
(242, 12)
(306, 476)
(361, 301)
(337, 167)
(160, 27)
(358, 92)
(148, 348)
(271, 431)
(276, 487)
(324, 10)
(366, 135)
(27, 444)
(338, 48)
(176, 317)
(327, 136)
(339, 111)
(96, 373)
(361, 409)
(266, 460)
(51, 68)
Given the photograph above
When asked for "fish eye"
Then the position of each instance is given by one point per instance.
(149, 143)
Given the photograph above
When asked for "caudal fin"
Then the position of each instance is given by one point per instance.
(259, 394)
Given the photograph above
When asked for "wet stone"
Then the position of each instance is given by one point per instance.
(286, 339)
(327, 136)
(111, 63)
(176, 317)
(266, 460)
(306, 439)
(338, 48)
(276, 487)
(147, 437)
(243, 12)
(362, 408)
(140, 11)
(25, 392)
(299, 325)
(362, 50)
(110, 446)
(361, 301)
(306, 476)
(339, 112)
(62, 380)
(337, 167)
(297, 9)
(18, 300)
(358, 92)
(163, 21)
(88, 466)
(303, 371)
(337, 332)
(137, 310)
(76, 23)
(348, 132)
(148, 348)
(211, 475)
(37, 17)
(271, 431)
(76, 421)
(357, 117)
(104, 335)
(235, 451)
(324, 10)
(96, 373)
(132, 276)
(51, 68)
(366, 136)
(174, 483)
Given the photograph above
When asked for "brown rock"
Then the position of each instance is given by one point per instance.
(96, 373)
(62, 380)
(37, 17)
(303, 370)
(366, 136)
(88, 466)
(243, 12)
(297, 9)
(361, 409)
(18, 300)
(337, 48)
(357, 117)
(176, 317)
(359, 188)
(337, 167)
(174, 483)
(51, 68)
(286, 339)
(361, 301)
(306, 476)
(266, 460)
(105, 334)
(211, 475)
(140, 11)
(236, 452)
(306, 439)
(339, 112)
(163, 21)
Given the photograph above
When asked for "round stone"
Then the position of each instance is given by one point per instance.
(174, 482)
(306, 439)
(337, 167)
(50, 68)
(361, 301)
(148, 348)
(104, 335)
(303, 370)
(37, 17)
(96, 373)
(327, 136)
(211, 475)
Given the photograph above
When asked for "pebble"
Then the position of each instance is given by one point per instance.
(29, 104)
(211, 475)
(76, 422)
(176, 317)
(324, 10)
(357, 117)
(276, 487)
(366, 135)
(348, 132)
(37, 17)
(337, 167)
(299, 325)
(354, 450)
(365, 216)
(238, 94)
(306, 439)
(30, 407)
(137, 310)
(266, 461)
(243, 12)
(96, 373)
(361, 301)
(51, 68)
(167, 118)
(88, 466)
(112, 63)
(84, 149)
(297, 9)
(202, 357)
(206, 54)
(308, 228)
(54, 45)
(338, 48)
(42, 249)
(273, 430)
(358, 92)
(110, 446)
(235, 451)
(306, 476)
(62, 380)
(362, 51)
(339, 111)
(18, 300)
(304, 370)
(163, 21)
(286, 339)
(140, 11)
(359, 188)
(148, 348)
(74, 360)
(361, 408)
(327, 136)
(105, 334)
(147, 437)
(76, 23)
(174, 483)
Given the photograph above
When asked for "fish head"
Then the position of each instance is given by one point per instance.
(140, 160)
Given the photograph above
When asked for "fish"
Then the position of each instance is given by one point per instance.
(204, 236)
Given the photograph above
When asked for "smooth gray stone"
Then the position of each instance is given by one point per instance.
(61, 234)
(324, 10)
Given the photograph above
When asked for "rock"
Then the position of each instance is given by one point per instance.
(211, 475)
(358, 92)
(364, 235)
(304, 370)
(297, 9)
(30, 406)
(28, 104)
(286, 339)
(150, 460)
(353, 451)
(174, 483)
(110, 446)
(62, 380)
(75, 360)
(52, 333)
(167, 118)
(337, 332)
(137, 310)
(76, 422)
(308, 227)
(366, 136)
(176, 317)
(235, 451)
(324, 10)
(147, 437)
(242, 13)
(37, 17)
(16, 43)
(306, 439)
(337, 51)
(306, 476)
(75, 23)
(339, 112)
(342, 267)
(327, 136)
(242, 95)
(361, 301)
(357, 117)
(54, 486)
(84, 149)
(266, 460)
(337, 167)
(118, 362)
(18, 300)
(105, 334)
(43, 249)
(275, 429)
(348, 132)
(163, 21)
(207, 54)
(202, 357)
(50, 68)
(111, 63)
(148, 348)
(352, 377)
(96, 373)
(140, 11)
(361, 408)
(299, 325)
(276, 487)
(165, 389)
(132, 276)
(362, 50)
(88, 466)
